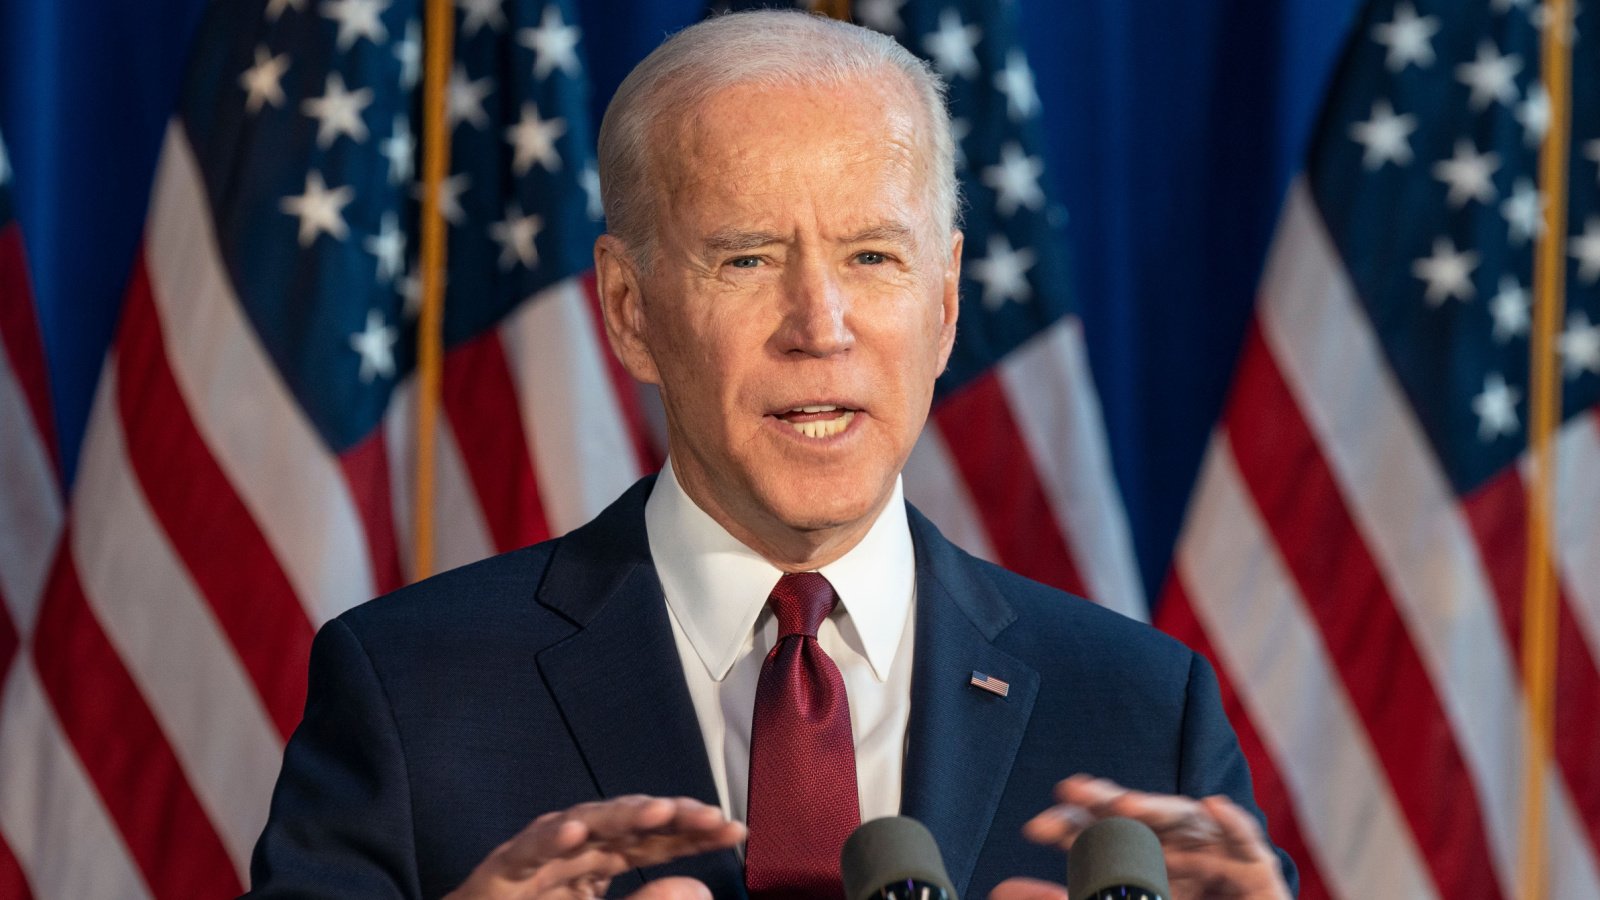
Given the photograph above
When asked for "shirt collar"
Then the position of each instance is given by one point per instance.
(716, 587)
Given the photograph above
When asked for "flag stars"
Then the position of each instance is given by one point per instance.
(400, 149)
(1580, 346)
(1386, 136)
(1015, 81)
(1408, 37)
(263, 82)
(554, 44)
(1592, 150)
(320, 210)
(475, 14)
(275, 8)
(5, 165)
(375, 345)
(1523, 212)
(1585, 248)
(959, 129)
(1496, 408)
(1004, 273)
(589, 180)
(450, 191)
(357, 19)
(533, 140)
(1468, 174)
(881, 15)
(464, 98)
(1015, 180)
(338, 111)
(389, 246)
(515, 235)
(408, 51)
(1544, 17)
(1492, 77)
(1448, 272)
(953, 46)
(1534, 114)
(1509, 309)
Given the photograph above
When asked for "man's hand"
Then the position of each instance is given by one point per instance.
(1214, 850)
(574, 854)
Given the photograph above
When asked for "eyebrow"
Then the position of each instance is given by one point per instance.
(734, 240)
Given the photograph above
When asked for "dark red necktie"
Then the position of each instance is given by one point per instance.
(802, 758)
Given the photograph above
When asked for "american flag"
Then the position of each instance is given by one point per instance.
(248, 468)
(247, 471)
(1354, 550)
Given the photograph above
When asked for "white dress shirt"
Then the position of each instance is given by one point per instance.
(716, 591)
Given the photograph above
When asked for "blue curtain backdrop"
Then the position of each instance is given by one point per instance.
(1173, 128)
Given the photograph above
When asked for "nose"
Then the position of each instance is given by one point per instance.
(817, 314)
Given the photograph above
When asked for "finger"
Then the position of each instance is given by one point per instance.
(554, 835)
(587, 872)
(672, 889)
(1027, 889)
(1241, 833)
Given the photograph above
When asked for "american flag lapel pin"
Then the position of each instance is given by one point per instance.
(989, 683)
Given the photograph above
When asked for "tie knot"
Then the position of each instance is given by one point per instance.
(801, 601)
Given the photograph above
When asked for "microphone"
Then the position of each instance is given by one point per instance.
(893, 858)
(1117, 858)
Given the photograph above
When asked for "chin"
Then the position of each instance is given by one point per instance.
(821, 503)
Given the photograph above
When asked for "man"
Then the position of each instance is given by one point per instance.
(783, 262)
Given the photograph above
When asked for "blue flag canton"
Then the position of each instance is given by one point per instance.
(304, 116)
(1425, 169)
(1016, 278)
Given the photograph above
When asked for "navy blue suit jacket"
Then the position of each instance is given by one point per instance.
(444, 717)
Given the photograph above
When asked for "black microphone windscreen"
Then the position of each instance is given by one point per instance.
(893, 857)
(1116, 854)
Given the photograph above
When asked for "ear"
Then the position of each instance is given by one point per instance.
(951, 301)
(622, 304)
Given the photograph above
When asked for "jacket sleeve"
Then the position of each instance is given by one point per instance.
(1211, 761)
(340, 823)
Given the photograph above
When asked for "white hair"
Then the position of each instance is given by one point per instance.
(767, 48)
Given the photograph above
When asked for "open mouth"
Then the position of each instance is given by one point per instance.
(818, 421)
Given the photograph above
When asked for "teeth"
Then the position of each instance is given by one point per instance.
(813, 409)
(823, 428)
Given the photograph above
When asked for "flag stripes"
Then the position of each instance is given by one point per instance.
(1347, 601)
(479, 399)
(141, 782)
(1000, 477)
(1177, 617)
(293, 486)
(1411, 600)
(1262, 635)
(214, 538)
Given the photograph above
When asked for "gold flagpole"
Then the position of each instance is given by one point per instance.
(1539, 594)
(439, 42)
(833, 9)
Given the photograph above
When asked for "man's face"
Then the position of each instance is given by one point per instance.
(801, 303)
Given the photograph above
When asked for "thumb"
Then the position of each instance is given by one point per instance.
(1027, 889)
(672, 889)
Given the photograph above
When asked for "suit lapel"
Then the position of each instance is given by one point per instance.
(961, 740)
(619, 682)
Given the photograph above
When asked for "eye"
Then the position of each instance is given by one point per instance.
(871, 258)
(745, 262)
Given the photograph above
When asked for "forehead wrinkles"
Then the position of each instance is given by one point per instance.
(754, 142)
